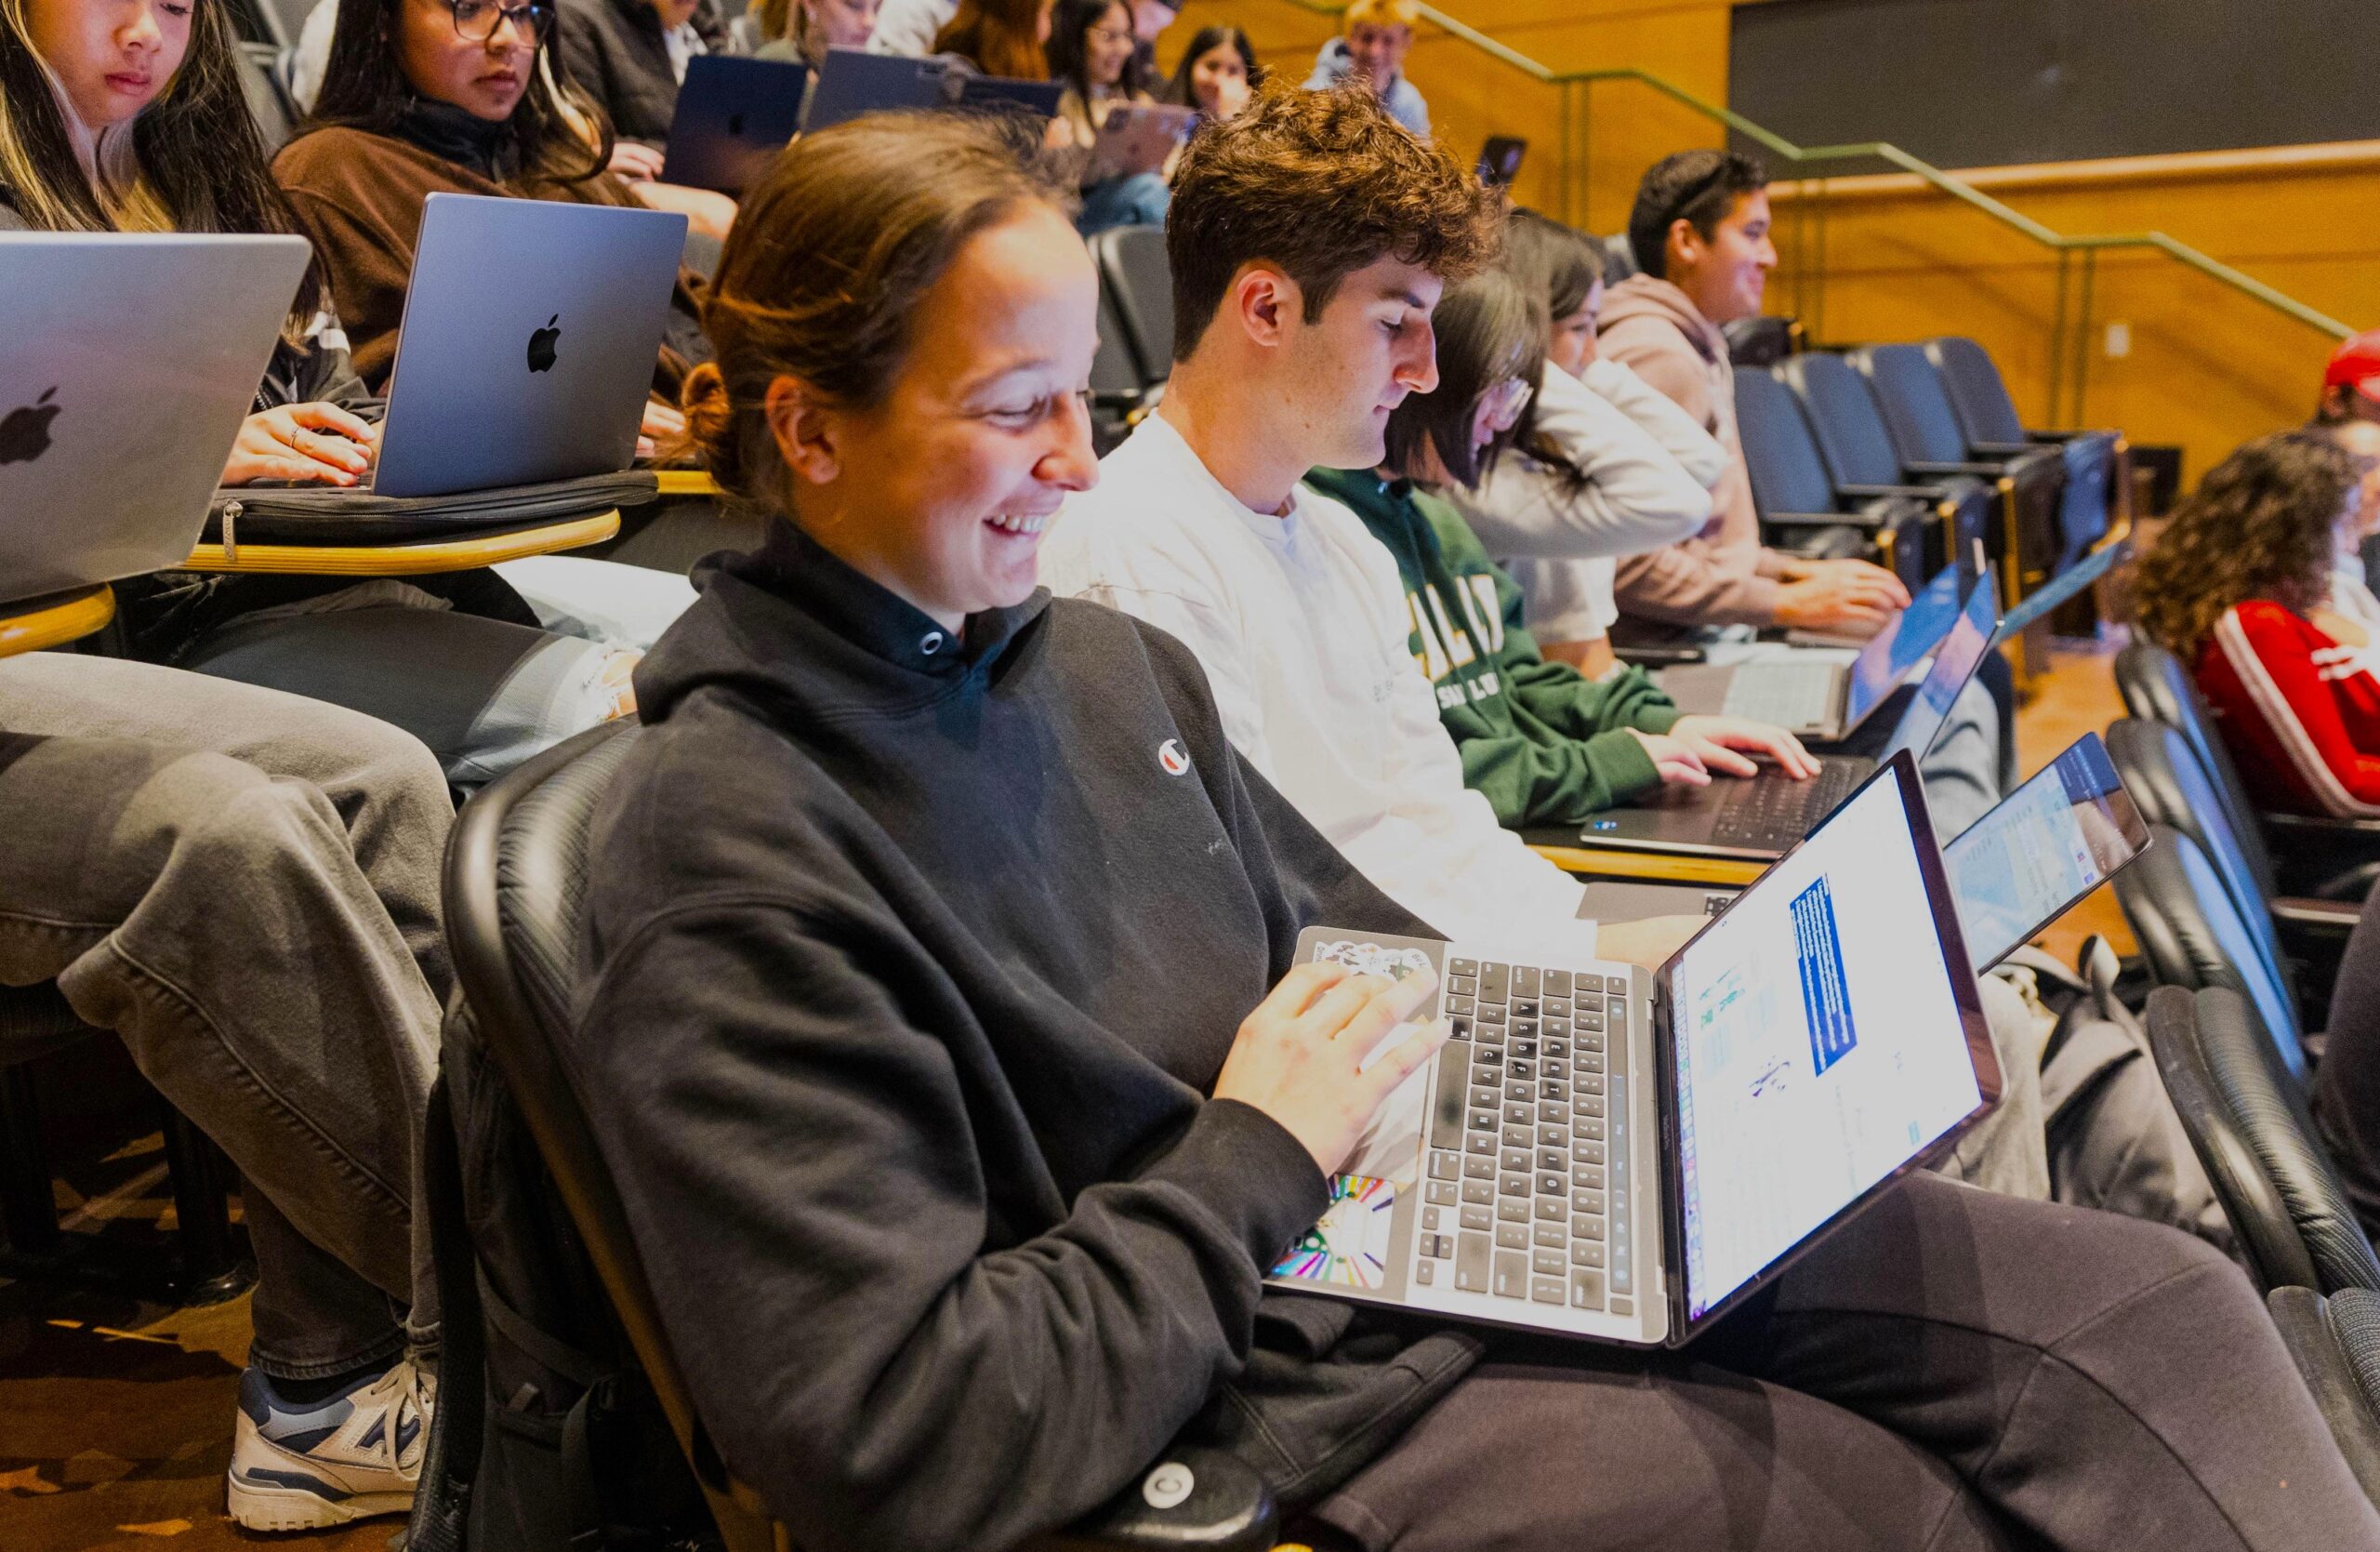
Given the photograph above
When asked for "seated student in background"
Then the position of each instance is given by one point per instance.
(1543, 745)
(980, 1216)
(423, 98)
(999, 37)
(1216, 73)
(801, 30)
(1601, 465)
(1699, 231)
(2236, 587)
(630, 57)
(243, 886)
(2354, 610)
(910, 26)
(2351, 382)
(1092, 50)
(1310, 238)
(457, 660)
(1374, 38)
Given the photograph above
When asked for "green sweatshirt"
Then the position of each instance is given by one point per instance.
(1542, 742)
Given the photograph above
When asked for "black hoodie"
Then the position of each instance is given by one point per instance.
(917, 958)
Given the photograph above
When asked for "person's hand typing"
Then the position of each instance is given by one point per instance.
(1679, 764)
(1839, 598)
(1299, 1056)
(309, 444)
(1723, 743)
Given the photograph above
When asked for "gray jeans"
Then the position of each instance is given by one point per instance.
(244, 885)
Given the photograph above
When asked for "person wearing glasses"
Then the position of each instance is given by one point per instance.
(1093, 49)
(424, 97)
(1540, 742)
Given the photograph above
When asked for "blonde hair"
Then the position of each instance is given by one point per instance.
(1381, 13)
(122, 198)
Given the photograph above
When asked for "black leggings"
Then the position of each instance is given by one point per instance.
(1954, 1371)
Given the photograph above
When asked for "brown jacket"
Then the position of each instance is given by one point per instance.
(1723, 576)
(360, 197)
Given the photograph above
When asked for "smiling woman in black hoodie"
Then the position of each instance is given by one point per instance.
(929, 921)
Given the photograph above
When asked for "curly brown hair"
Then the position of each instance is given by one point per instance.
(2259, 526)
(1320, 184)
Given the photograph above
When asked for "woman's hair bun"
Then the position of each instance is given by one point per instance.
(710, 422)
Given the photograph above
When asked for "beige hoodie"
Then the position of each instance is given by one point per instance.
(1723, 576)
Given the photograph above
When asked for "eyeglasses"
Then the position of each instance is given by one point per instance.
(1112, 34)
(1500, 409)
(477, 20)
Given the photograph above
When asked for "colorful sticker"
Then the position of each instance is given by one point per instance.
(1371, 959)
(1348, 1248)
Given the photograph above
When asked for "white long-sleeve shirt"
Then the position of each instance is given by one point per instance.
(1649, 472)
(1302, 626)
(910, 26)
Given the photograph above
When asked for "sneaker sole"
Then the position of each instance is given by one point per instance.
(264, 1507)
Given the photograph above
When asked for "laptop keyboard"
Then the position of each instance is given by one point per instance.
(1773, 810)
(1789, 694)
(1528, 1194)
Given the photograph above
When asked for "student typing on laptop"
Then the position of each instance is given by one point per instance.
(459, 660)
(982, 1216)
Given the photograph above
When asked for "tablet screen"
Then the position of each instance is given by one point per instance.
(2047, 844)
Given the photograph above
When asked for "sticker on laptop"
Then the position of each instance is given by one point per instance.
(1348, 1248)
(1371, 959)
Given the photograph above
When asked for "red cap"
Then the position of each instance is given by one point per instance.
(2356, 364)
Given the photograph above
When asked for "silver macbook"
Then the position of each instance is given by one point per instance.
(530, 332)
(127, 365)
(1818, 696)
(1626, 1156)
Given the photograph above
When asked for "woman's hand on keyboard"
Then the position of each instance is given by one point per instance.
(302, 444)
(1723, 743)
(1678, 762)
(1299, 1058)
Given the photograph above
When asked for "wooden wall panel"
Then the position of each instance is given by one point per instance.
(2208, 367)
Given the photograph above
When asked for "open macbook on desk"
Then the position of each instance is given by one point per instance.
(1625, 1155)
(1817, 694)
(1760, 817)
(734, 115)
(109, 445)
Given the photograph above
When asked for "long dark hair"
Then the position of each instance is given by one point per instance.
(1560, 265)
(1205, 42)
(191, 161)
(2259, 526)
(1069, 52)
(1489, 330)
(559, 134)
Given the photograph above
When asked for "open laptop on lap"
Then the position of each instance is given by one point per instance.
(1624, 1155)
(854, 81)
(527, 347)
(1816, 694)
(2062, 833)
(734, 115)
(127, 365)
(1761, 816)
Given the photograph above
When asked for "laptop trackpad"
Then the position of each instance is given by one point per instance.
(1698, 687)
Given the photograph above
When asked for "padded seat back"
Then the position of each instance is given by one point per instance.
(2194, 936)
(1845, 420)
(517, 871)
(1618, 257)
(1114, 369)
(1133, 267)
(2172, 789)
(1760, 341)
(2247, 1120)
(260, 78)
(1916, 408)
(2157, 688)
(1788, 474)
(1979, 395)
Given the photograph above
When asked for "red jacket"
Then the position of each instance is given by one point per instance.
(2300, 712)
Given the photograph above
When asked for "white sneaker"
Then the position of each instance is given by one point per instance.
(349, 1457)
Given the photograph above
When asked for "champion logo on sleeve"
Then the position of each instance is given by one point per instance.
(1170, 759)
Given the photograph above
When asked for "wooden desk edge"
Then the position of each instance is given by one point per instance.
(1660, 867)
(58, 620)
(406, 560)
(687, 482)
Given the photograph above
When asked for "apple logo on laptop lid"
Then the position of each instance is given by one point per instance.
(24, 435)
(736, 125)
(541, 345)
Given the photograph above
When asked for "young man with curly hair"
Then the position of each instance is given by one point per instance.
(1310, 241)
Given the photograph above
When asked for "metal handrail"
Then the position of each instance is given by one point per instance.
(2205, 264)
